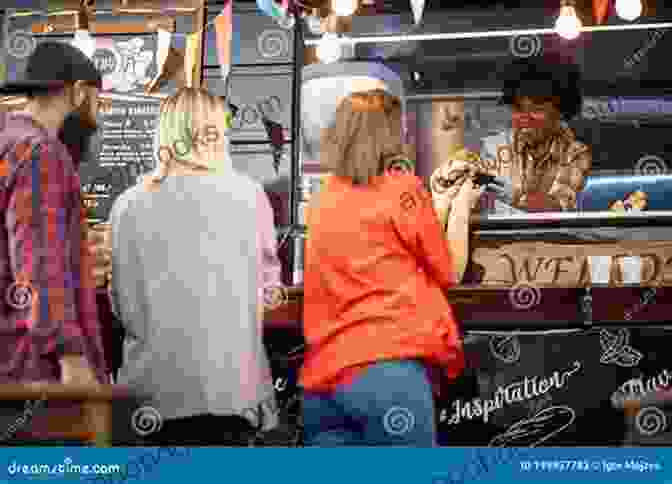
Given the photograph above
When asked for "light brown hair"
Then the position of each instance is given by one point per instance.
(365, 137)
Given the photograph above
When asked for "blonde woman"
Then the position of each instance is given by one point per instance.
(193, 247)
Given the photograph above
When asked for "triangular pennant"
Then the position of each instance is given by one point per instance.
(191, 57)
(601, 10)
(418, 7)
(224, 35)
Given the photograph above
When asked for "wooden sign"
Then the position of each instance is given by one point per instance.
(542, 264)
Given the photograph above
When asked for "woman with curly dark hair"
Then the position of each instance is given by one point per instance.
(540, 158)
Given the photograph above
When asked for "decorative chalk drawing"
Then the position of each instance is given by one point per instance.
(650, 421)
(538, 429)
(505, 348)
(616, 349)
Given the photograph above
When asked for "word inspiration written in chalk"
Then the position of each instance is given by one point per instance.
(517, 392)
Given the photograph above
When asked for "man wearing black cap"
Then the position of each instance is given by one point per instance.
(539, 160)
(50, 327)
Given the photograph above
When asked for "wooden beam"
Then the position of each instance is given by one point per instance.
(156, 6)
(68, 25)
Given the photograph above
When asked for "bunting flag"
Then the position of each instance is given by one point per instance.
(601, 10)
(418, 7)
(224, 34)
(191, 57)
(163, 46)
(273, 8)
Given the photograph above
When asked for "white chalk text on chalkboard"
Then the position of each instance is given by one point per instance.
(516, 392)
(640, 387)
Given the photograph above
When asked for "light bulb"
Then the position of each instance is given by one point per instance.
(329, 49)
(568, 24)
(344, 8)
(84, 42)
(629, 9)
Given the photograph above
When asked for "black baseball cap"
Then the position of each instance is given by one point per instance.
(52, 65)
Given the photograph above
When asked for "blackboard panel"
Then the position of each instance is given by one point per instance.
(557, 390)
(126, 152)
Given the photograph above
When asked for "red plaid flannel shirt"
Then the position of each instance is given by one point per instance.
(47, 293)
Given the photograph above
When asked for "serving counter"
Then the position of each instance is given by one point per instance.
(564, 314)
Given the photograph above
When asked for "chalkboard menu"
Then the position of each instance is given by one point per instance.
(125, 152)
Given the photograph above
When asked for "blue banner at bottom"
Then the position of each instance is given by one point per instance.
(351, 465)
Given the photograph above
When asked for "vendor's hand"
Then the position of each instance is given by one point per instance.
(468, 195)
(100, 250)
(75, 369)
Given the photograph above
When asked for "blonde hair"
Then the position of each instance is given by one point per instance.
(191, 133)
(365, 136)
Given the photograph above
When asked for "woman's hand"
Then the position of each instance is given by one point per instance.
(75, 369)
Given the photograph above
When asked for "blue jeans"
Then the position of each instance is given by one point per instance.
(389, 403)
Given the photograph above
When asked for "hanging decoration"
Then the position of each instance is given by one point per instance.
(601, 11)
(191, 57)
(224, 35)
(279, 10)
(418, 7)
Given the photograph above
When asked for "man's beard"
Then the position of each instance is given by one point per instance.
(77, 134)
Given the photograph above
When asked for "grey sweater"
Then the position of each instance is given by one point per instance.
(185, 286)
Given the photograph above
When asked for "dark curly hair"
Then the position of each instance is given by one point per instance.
(547, 75)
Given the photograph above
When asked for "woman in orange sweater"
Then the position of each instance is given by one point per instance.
(376, 318)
